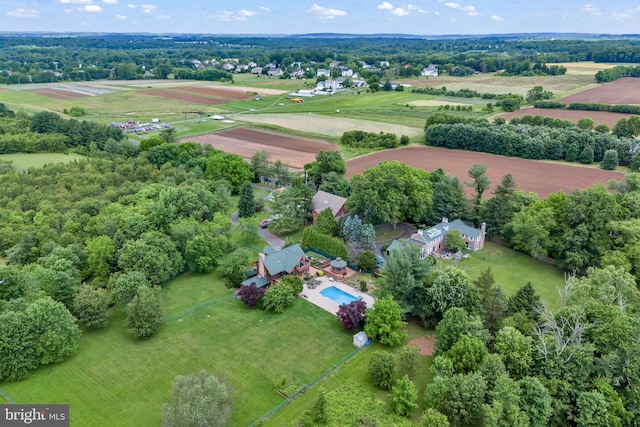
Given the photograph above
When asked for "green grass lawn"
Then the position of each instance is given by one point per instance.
(386, 232)
(512, 270)
(37, 160)
(114, 380)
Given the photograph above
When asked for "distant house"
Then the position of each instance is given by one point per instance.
(274, 72)
(323, 72)
(334, 64)
(323, 200)
(384, 63)
(430, 71)
(432, 239)
(256, 70)
(298, 73)
(228, 66)
(272, 265)
(345, 71)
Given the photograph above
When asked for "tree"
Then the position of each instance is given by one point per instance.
(203, 252)
(91, 307)
(586, 155)
(493, 299)
(229, 167)
(154, 254)
(144, 313)
(260, 165)
(292, 207)
(530, 228)
(278, 298)
(433, 418)
(352, 315)
(198, 400)
(498, 210)
(367, 261)
(326, 223)
(585, 123)
(124, 286)
(404, 397)
(602, 129)
(609, 160)
(452, 287)
(455, 323)
(467, 354)
(516, 351)
(233, 268)
(251, 295)
(169, 136)
(480, 184)
(454, 242)
(449, 200)
(11, 282)
(526, 300)
(535, 401)
(458, 397)
(504, 409)
(318, 412)
(384, 322)
(381, 369)
(100, 256)
(249, 229)
(408, 359)
(592, 410)
(246, 205)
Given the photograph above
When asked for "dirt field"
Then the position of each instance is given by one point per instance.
(531, 176)
(293, 151)
(426, 345)
(622, 91)
(326, 125)
(216, 92)
(58, 94)
(183, 97)
(598, 117)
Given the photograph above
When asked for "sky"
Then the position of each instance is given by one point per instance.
(420, 17)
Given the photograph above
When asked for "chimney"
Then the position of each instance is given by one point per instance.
(483, 229)
(445, 220)
(261, 269)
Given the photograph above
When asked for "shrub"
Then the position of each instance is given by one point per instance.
(609, 160)
(352, 315)
(381, 368)
(251, 295)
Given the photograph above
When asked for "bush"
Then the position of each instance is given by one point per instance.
(333, 246)
(609, 160)
(251, 295)
(352, 315)
(381, 368)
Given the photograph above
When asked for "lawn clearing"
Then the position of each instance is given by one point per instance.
(534, 176)
(25, 161)
(386, 232)
(114, 381)
(512, 270)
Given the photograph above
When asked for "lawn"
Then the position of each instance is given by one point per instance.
(386, 232)
(38, 160)
(114, 380)
(512, 270)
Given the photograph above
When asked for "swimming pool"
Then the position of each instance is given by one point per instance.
(338, 295)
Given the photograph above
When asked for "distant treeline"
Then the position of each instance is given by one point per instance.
(615, 73)
(462, 93)
(361, 139)
(589, 106)
(534, 142)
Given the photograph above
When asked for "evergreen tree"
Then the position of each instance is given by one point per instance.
(586, 156)
(404, 397)
(609, 160)
(326, 223)
(144, 314)
(246, 204)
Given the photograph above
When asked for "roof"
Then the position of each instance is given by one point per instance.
(323, 200)
(284, 260)
(396, 244)
(260, 282)
(431, 234)
(338, 263)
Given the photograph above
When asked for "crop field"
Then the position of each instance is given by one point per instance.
(291, 150)
(622, 91)
(25, 161)
(534, 176)
(588, 68)
(598, 117)
(181, 96)
(216, 92)
(59, 94)
(333, 126)
(441, 101)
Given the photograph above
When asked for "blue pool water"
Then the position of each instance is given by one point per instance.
(338, 295)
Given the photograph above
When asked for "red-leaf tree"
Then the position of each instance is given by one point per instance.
(251, 295)
(352, 315)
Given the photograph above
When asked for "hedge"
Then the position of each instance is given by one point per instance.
(333, 246)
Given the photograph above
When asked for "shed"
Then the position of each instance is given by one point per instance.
(360, 339)
(339, 266)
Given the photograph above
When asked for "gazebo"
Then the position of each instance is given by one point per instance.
(339, 267)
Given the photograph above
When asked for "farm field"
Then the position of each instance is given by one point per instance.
(622, 91)
(59, 94)
(530, 175)
(291, 150)
(327, 125)
(183, 96)
(37, 160)
(588, 68)
(598, 117)
(115, 381)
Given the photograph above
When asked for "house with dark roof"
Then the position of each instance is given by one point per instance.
(431, 240)
(274, 264)
(323, 200)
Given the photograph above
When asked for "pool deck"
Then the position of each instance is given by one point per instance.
(315, 297)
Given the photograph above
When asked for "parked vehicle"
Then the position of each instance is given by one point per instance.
(264, 223)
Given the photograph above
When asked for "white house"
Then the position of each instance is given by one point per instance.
(323, 72)
(430, 71)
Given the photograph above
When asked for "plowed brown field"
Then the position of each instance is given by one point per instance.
(622, 91)
(183, 97)
(534, 176)
(58, 94)
(292, 151)
(598, 117)
(216, 93)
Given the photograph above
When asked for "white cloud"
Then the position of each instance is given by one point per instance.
(132, 6)
(324, 13)
(22, 13)
(227, 15)
(247, 13)
(75, 1)
(497, 18)
(416, 8)
(592, 9)
(148, 8)
(265, 9)
(110, 1)
(385, 6)
(468, 10)
(436, 13)
(121, 17)
(398, 11)
(92, 8)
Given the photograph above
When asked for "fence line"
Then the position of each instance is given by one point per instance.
(6, 397)
(304, 388)
(199, 307)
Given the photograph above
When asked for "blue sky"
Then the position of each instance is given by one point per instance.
(423, 17)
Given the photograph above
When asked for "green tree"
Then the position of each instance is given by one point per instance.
(278, 298)
(91, 307)
(516, 351)
(229, 167)
(124, 286)
(326, 223)
(384, 322)
(292, 207)
(169, 136)
(404, 397)
(458, 397)
(246, 205)
(452, 287)
(609, 160)
(11, 282)
(498, 211)
(249, 229)
(467, 354)
(367, 261)
(535, 401)
(154, 254)
(100, 256)
(318, 412)
(454, 241)
(203, 252)
(449, 200)
(144, 313)
(433, 418)
(480, 184)
(504, 409)
(602, 129)
(494, 300)
(381, 369)
(586, 155)
(233, 268)
(198, 400)
(531, 229)
(585, 123)
(592, 410)
(455, 323)
(408, 359)
(526, 300)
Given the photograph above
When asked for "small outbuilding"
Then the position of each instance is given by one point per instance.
(339, 266)
(360, 339)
